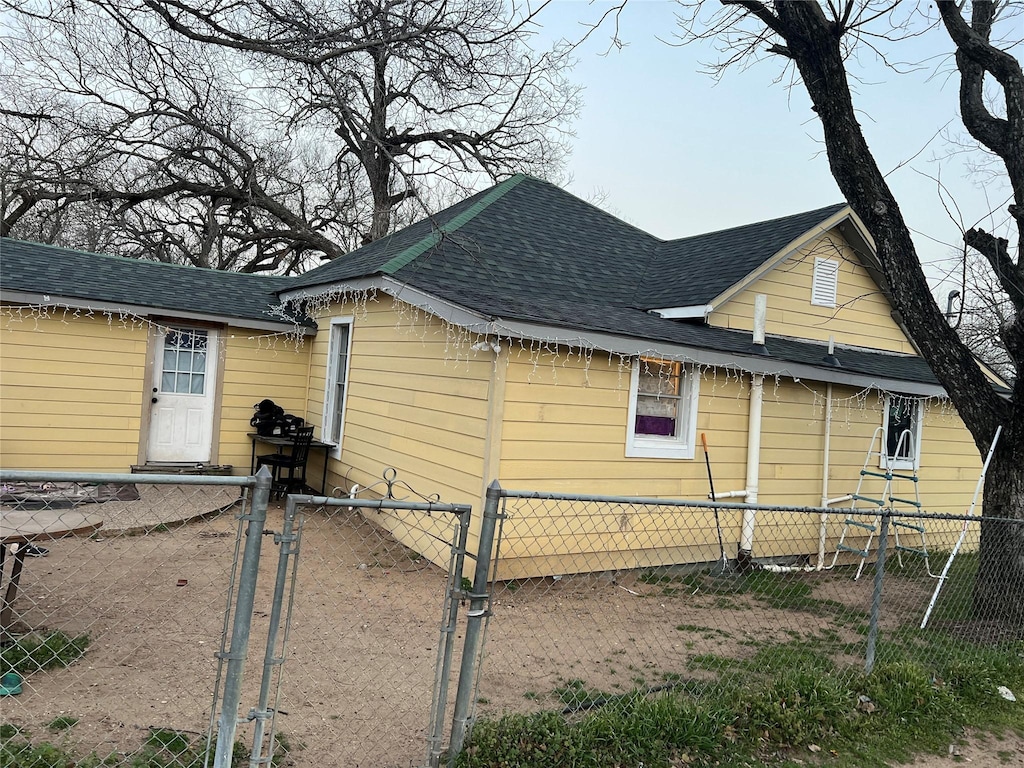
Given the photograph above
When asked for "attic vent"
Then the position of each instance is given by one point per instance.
(826, 283)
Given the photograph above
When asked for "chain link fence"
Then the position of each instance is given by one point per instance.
(138, 629)
(378, 636)
(114, 601)
(599, 600)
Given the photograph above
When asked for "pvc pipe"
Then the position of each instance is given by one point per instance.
(823, 527)
(963, 530)
(753, 462)
(730, 495)
(760, 317)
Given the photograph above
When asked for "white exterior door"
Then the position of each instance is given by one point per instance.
(181, 419)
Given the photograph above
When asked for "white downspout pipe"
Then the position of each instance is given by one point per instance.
(753, 466)
(746, 548)
(823, 529)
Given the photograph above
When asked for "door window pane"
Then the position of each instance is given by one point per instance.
(184, 362)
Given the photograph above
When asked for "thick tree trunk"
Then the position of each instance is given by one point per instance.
(999, 585)
(814, 44)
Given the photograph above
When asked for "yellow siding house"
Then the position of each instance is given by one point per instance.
(522, 335)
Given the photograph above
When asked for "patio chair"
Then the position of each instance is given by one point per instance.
(294, 462)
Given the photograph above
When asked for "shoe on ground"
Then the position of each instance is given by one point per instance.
(31, 550)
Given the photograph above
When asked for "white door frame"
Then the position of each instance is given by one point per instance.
(182, 395)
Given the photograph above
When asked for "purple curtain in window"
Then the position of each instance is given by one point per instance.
(662, 426)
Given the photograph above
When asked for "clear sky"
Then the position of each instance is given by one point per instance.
(676, 153)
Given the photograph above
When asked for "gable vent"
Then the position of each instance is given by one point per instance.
(826, 283)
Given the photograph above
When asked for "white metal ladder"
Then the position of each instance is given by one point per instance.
(882, 469)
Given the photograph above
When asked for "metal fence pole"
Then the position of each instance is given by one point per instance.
(446, 648)
(242, 620)
(475, 620)
(287, 541)
(876, 596)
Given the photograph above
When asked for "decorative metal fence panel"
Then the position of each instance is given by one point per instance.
(115, 595)
(598, 600)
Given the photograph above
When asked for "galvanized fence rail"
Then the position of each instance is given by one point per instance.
(596, 599)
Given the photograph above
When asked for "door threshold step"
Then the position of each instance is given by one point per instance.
(179, 468)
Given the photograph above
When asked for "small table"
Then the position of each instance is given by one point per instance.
(23, 527)
(282, 441)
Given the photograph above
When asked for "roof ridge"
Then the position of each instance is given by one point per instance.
(837, 206)
(395, 263)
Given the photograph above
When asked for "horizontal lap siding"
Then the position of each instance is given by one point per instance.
(860, 318)
(255, 368)
(415, 402)
(947, 476)
(565, 431)
(72, 393)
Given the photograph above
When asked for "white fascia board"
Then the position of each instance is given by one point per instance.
(618, 345)
(681, 313)
(139, 310)
(441, 308)
(767, 266)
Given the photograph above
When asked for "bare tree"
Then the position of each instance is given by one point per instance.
(819, 41)
(250, 136)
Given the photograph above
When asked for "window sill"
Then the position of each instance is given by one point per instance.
(653, 449)
(897, 465)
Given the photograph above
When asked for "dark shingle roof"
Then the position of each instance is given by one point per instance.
(523, 250)
(70, 274)
(529, 238)
(705, 266)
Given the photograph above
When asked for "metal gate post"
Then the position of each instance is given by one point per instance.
(475, 621)
(288, 543)
(242, 620)
(876, 597)
(443, 668)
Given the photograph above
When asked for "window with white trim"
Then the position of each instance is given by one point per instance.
(336, 385)
(825, 284)
(901, 432)
(662, 410)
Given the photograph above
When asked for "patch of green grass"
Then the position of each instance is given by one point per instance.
(34, 653)
(925, 689)
(575, 694)
(711, 662)
(163, 748)
(20, 753)
(62, 723)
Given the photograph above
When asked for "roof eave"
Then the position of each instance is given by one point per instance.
(684, 313)
(615, 344)
(140, 310)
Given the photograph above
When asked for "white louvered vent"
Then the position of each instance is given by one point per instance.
(826, 283)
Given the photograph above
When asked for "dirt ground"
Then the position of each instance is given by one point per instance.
(363, 635)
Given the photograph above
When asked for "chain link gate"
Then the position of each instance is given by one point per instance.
(350, 611)
(152, 666)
